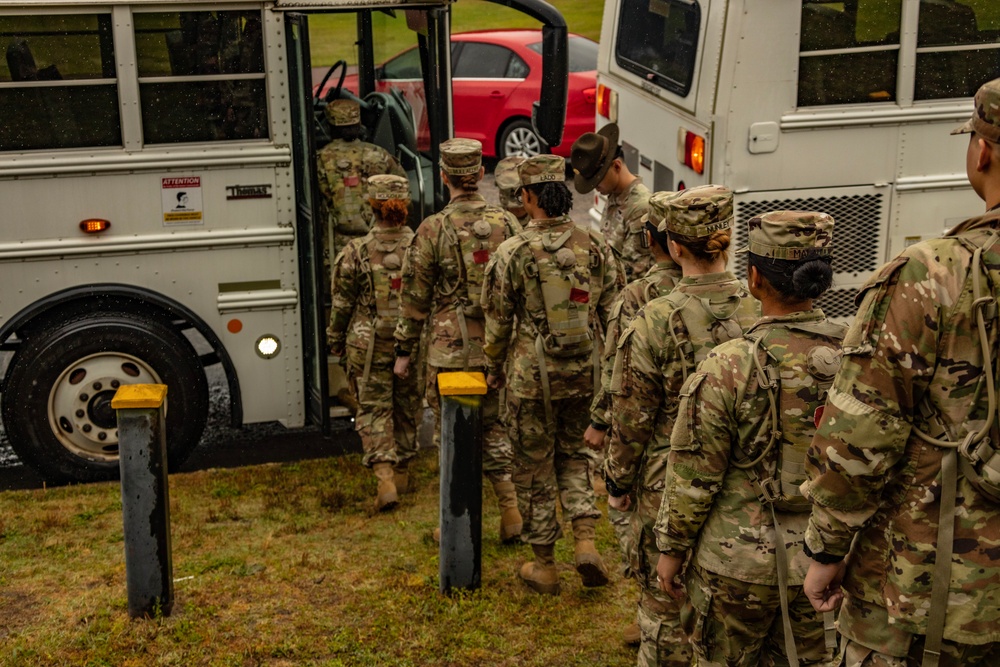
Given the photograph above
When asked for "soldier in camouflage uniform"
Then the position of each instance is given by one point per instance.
(546, 290)
(508, 183)
(921, 584)
(366, 282)
(732, 496)
(658, 281)
(655, 355)
(597, 164)
(442, 285)
(344, 167)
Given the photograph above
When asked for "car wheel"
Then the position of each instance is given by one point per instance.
(519, 138)
(57, 392)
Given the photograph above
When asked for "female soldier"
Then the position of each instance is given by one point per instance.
(737, 459)
(655, 356)
(366, 281)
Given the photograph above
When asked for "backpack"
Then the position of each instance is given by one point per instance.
(381, 296)
(471, 246)
(349, 209)
(718, 317)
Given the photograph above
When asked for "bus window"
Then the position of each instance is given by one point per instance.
(952, 57)
(39, 108)
(848, 52)
(658, 40)
(201, 76)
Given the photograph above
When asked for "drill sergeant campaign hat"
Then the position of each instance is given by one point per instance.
(543, 168)
(695, 212)
(507, 179)
(592, 155)
(790, 235)
(460, 157)
(341, 113)
(985, 119)
(388, 186)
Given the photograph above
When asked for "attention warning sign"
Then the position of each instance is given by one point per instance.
(181, 196)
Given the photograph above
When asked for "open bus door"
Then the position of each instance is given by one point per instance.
(308, 223)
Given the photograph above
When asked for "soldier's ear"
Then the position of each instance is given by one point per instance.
(986, 155)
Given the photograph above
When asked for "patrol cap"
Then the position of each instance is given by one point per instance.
(985, 119)
(791, 235)
(388, 186)
(460, 157)
(507, 179)
(544, 168)
(699, 211)
(657, 208)
(591, 156)
(343, 112)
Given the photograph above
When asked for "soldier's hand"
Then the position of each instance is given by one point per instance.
(495, 381)
(667, 569)
(822, 585)
(594, 438)
(620, 503)
(402, 367)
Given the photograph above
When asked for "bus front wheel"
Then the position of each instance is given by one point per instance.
(57, 392)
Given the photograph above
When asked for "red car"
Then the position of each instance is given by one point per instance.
(496, 76)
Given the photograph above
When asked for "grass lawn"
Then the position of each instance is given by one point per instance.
(284, 564)
(332, 36)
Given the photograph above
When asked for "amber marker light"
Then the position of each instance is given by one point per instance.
(691, 150)
(94, 225)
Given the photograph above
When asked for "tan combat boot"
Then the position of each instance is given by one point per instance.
(632, 634)
(588, 561)
(387, 496)
(510, 517)
(541, 574)
(401, 477)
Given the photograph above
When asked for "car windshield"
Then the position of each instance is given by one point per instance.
(582, 53)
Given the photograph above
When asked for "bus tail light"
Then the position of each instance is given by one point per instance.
(691, 150)
(94, 225)
(607, 103)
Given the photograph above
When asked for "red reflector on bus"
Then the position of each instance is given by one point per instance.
(607, 103)
(94, 225)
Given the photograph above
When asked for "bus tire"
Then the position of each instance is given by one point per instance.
(519, 138)
(57, 392)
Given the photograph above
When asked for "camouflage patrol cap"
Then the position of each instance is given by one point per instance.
(507, 179)
(545, 168)
(699, 211)
(388, 186)
(460, 157)
(657, 208)
(792, 235)
(985, 119)
(343, 112)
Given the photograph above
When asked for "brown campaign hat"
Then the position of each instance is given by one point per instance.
(985, 119)
(591, 157)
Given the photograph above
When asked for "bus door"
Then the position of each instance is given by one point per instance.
(308, 221)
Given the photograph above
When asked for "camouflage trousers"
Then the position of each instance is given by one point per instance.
(387, 412)
(738, 624)
(550, 460)
(952, 655)
(664, 642)
(621, 522)
(498, 455)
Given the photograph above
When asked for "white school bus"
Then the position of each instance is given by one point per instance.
(843, 107)
(159, 207)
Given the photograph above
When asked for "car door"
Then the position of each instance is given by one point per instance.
(484, 77)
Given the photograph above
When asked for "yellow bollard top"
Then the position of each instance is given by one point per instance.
(139, 396)
(461, 384)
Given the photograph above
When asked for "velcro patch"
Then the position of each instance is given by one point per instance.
(481, 256)
(579, 296)
(352, 181)
(397, 283)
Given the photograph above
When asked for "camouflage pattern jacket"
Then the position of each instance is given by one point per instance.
(650, 369)
(622, 227)
(343, 171)
(912, 359)
(658, 281)
(510, 297)
(434, 281)
(710, 505)
(365, 299)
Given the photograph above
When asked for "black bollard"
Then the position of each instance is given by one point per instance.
(142, 456)
(461, 479)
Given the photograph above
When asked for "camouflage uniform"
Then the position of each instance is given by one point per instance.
(366, 283)
(508, 182)
(548, 395)
(448, 248)
(343, 171)
(622, 226)
(701, 311)
(711, 501)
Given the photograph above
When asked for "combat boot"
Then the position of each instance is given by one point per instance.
(541, 574)
(589, 563)
(401, 477)
(387, 496)
(510, 517)
(632, 635)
